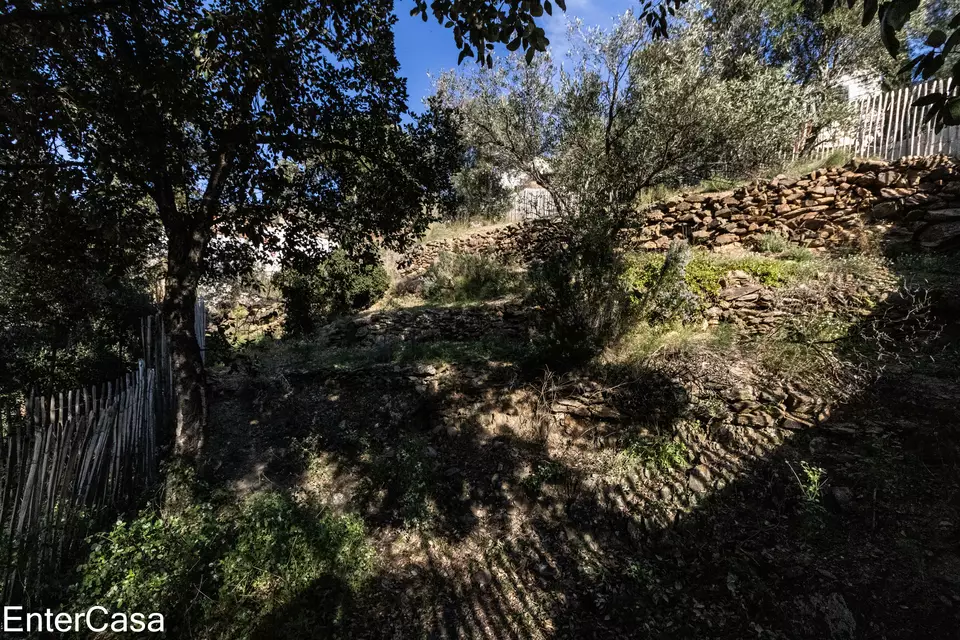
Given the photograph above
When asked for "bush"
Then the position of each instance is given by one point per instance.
(773, 243)
(150, 563)
(231, 576)
(465, 277)
(340, 285)
(581, 293)
(662, 290)
(702, 274)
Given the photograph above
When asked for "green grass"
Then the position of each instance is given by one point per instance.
(659, 452)
(230, 572)
(706, 270)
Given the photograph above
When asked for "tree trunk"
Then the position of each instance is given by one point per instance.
(185, 247)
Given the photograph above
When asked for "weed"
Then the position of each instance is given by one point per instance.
(550, 472)
(466, 277)
(773, 243)
(659, 452)
(798, 254)
(810, 482)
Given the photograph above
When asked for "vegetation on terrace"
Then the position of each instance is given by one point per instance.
(598, 441)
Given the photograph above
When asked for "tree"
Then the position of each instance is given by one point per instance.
(73, 281)
(274, 120)
(630, 112)
(928, 56)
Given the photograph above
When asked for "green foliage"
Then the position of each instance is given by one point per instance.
(630, 113)
(151, 563)
(74, 282)
(704, 272)
(811, 480)
(467, 277)
(227, 575)
(550, 472)
(281, 551)
(340, 285)
(513, 23)
(658, 451)
(579, 292)
(480, 193)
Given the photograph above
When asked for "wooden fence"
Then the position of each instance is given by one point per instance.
(74, 460)
(887, 126)
(529, 204)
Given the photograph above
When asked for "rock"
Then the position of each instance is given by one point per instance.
(888, 178)
(942, 215)
(843, 496)
(697, 485)
(725, 238)
(885, 210)
(702, 471)
(939, 236)
(739, 293)
(829, 614)
(665, 493)
(864, 165)
(425, 370)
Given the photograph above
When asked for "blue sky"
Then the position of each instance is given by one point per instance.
(426, 47)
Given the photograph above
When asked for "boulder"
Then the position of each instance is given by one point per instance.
(939, 236)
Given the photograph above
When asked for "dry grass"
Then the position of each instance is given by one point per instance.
(448, 230)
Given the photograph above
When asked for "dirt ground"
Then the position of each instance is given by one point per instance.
(506, 502)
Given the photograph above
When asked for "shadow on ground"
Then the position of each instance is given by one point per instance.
(502, 540)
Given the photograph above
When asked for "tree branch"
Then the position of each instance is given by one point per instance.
(40, 15)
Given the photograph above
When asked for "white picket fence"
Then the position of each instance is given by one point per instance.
(887, 126)
(529, 204)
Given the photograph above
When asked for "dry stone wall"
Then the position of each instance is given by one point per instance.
(913, 201)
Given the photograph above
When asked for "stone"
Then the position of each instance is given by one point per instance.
(885, 210)
(697, 485)
(843, 496)
(725, 238)
(940, 236)
(425, 370)
(702, 471)
(888, 178)
(740, 293)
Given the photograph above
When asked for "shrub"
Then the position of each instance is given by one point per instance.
(665, 293)
(341, 284)
(465, 277)
(773, 243)
(151, 563)
(283, 550)
(581, 294)
(229, 576)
